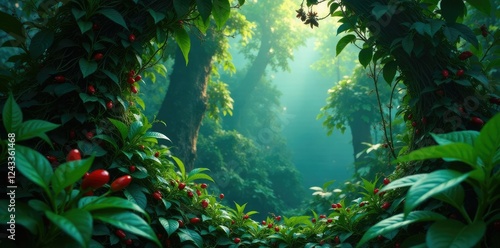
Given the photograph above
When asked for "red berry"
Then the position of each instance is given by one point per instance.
(445, 73)
(157, 196)
(409, 116)
(89, 135)
(85, 175)
(131, 73)
(237, 240)
(131, 37)
(245, 217)
(337, 240)
(95, 179)
(386, 181)
(190, 194)
(361, 204)
(53, 159)
(334, 205)
(313, 220)
(91, 89)
(194, 220)
(375, 191)
(277, 228)
(278, 218)
(72, 155)
(131, 168)
(98, 56)
(477, 121)
(263, 222)
(157, 154)
(329, 220)
(181, 223)
(198, 192)
(465, 55)
(138, 78)
(386, 205)
(322, 216)
(204, 185)
(204, 203)
(141, 147)
(121, 183)
(109, 105)
(270, 225)
(424, 120)
(133, 89)
(88, 193)
(130, 80)
(417, 131)
(60, 79)
(339, 205)
(414, 124)
(128, 242)
(120, 234)
(181, 186)
(221, 196)
(460, 73)
(484, 30)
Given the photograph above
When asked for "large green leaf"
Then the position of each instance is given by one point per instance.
(488, 142)
(135, 194)
(135, 129)
(450, 152)
(403, 182)
(482, 5)
(434, 183)
(157, 16)
(452, 233)
(127, 221)
(453, 196)
(33, 166)
(83, 221)
(70, 172)
(365, 56)
(108, 139)
(221, 10)
(190, 235)
(33, 128)
(41, 42)
(169, 225)
(389, 71)
(87, 67)
(114, 16)
(98, 203)
(205, 8)
(397, 221)
(343, 42)
(452, 9)
(68, 226)
(467, 137)
(156, 135)
(180, 164)
(122, 128)
(12, 114)
(183, 41)
(13, 27)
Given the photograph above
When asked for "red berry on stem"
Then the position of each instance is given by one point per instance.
(120, 234)
(181, 186)
(337, 240)
(386, 181)
(477, 121)
(130, 80)
(460, 73)
(133, 89)
(375, 191)
(141, 147)
(73, 155)
(424, 120)
(414, 124)
(157, 196)
(245, 217)
(89, 135)
(270, 225)
(237, 240)
(194, 220)
(339, 205)
(313, 220)
(386, 205)
(322, 216)
(465, 55)
(221, 196)
(95, 179)
(109, 105)
(278, 218)
(329, 220)
(131, 73)
(190, 194)
(157, 154)
(98, 56)
(53, 159)
(128, 241)
(60, 79)
(277, 228)
(132, 168)
(264, 222)
(409, 116)
(121, 183)
(204, 185)
(181, 223)
(138, 78)
(91, 89)
(445, 73)
(131, 37)
(198, 192)
(204, 203)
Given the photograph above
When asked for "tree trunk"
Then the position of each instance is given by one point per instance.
(186, 100)
(250, 81)
(360, 131)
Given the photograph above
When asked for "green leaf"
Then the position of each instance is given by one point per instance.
(41, 42)
(181, 8)
(83, 221)
(365, 56)
(481, 5)
(70, 172)
(450, 152)
(190, 235)
(407, 44)
(397, 221)
(87, 67)
(465, 32)
(33, 128)
(452, 233)
(135, 194)
(127, 221)
(12, 114)
(61, 89)
(389, 71)
(156, 135)
(488, 142)
(77, 13)
(221, 10)
(183, 41)
(180, 164)
(122, 128)
(94, 203)
(157, 16)
(13, 27)
(452, 9)
(33, 166)
(84, 26)
(403, 182)
(135, 129)
(108, 139)
(199, 176)
(205, 8)
(169, 225)
(434, 183)
(114, 16)
(453, 196)
(467, 137)
(67, 226)
(111, 75)
(344, 41)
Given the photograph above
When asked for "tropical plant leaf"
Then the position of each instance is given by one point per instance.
(190, 235)
(403, 182)
(12, 114)
(68, 226)
(450, 152)
(114, 16)
(170, 226)
(34, 166)
(70, 172)
(221, 10)
(183, 41)
(488, 142)
(467, 137)
(343, 42)
(453, 233)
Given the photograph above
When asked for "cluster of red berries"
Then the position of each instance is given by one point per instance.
(121, 235)
(131, 79)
